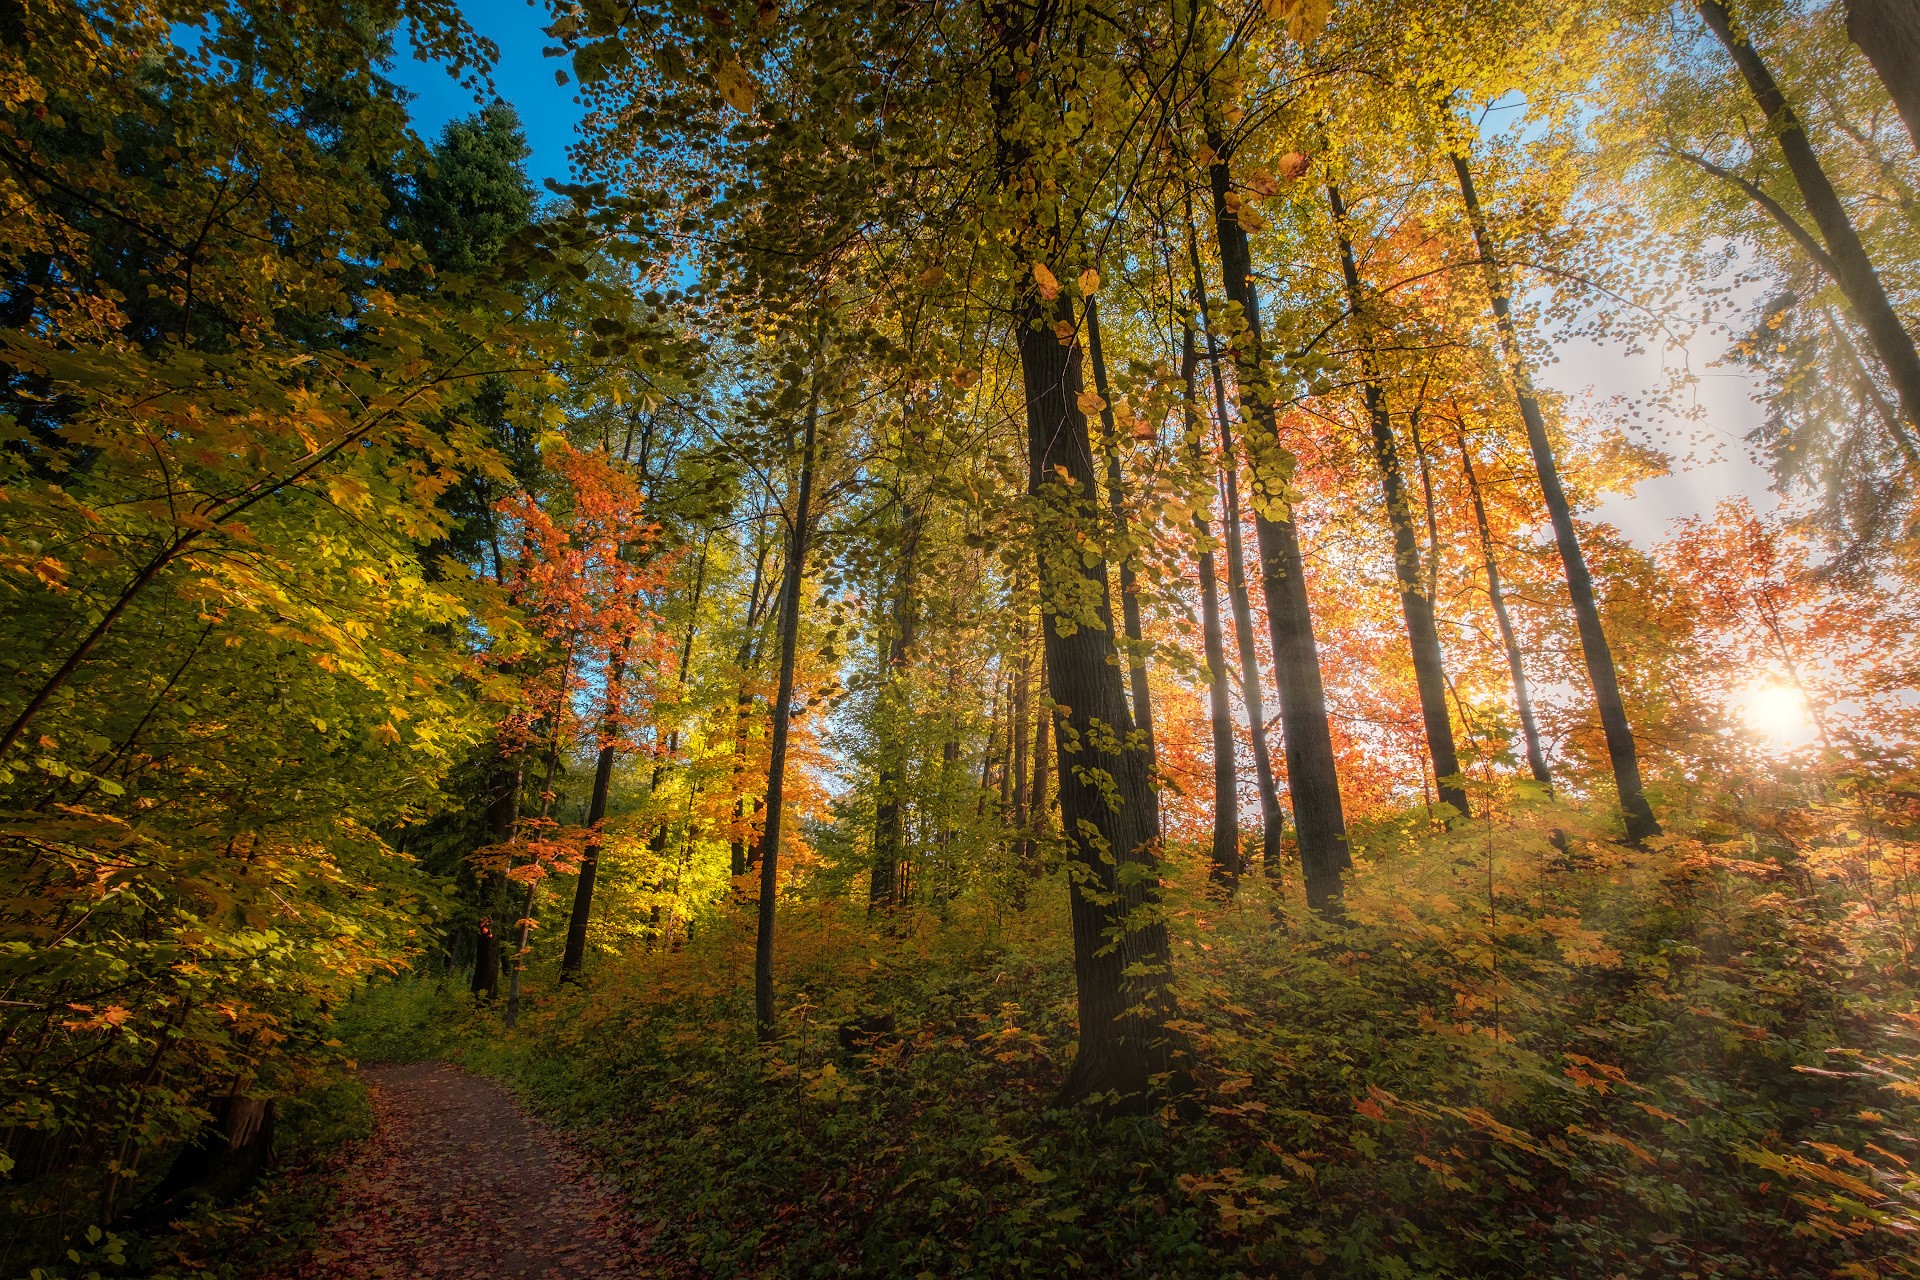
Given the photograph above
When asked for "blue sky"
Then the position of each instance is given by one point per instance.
(548, 111)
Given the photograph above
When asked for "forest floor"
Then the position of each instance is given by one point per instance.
(458, 1181)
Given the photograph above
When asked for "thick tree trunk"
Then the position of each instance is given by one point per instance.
(1638, 814)
(1226, 774)
(1109, 810)
(1523, 702)
(1272, 820)
(1110, 813)
(1423, 637)
(790, 591)
(1852, 269)
(1117, 501)
(1888, 32)
(1313, 782)
(223, 1159)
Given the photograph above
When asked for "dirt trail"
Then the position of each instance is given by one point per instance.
(457, 1181)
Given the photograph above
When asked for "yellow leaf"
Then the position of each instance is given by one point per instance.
(1063, 330)
(1090, 402)
(1089, 282)
(1049, 285)
(735, 85)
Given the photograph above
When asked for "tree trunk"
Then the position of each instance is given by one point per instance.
(889, 829)
(1110, 812)
(1116, 499)
(1853, 270)
(503, 816)
(1226, 774)
(226, 1154)
(1037, 809)
(575, 954)
(742, 842)
(1423, 637)
(988, 751)
(790, 590)
(1536, 758)
(1111, 824)
(1018, 779)
(1272, 821)
(1638, 814)
(1313, 782)
(1888, 32)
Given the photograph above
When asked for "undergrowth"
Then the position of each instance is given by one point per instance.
(1526, 1051)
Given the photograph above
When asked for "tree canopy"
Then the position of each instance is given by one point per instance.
(992, 640)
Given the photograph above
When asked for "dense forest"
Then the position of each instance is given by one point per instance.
(988, 648)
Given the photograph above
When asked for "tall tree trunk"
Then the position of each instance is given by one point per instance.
(1272, 821)
(993, 739)
(1117, 502)
(889, 828)
(1110, 824)
(1423, 637)
(575, 953)
(1037, 810)
(1017, 779)
(1638, 814)
(1888, 32)
(1109, 809)
(1226, 774)
(1852, 269)
(1313, 782)
(740, 845)
(1523, 702)
(790, 590)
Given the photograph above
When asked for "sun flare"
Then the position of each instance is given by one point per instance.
(1777, 713)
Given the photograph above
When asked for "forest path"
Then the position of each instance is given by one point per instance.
(458, 1181)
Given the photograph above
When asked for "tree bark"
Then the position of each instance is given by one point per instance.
(1423, 637)
(1018, 780)
(1226, 774)
(1110, 812)
(1852, 269)
(742, 842)
(1638, 814)
(889, 829)
(1313, 782)
(1116, 499)
(575, 953)
(1888, 32)
(1523, 702)
(1272, 820)
(790, 590)
(1037, 808)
